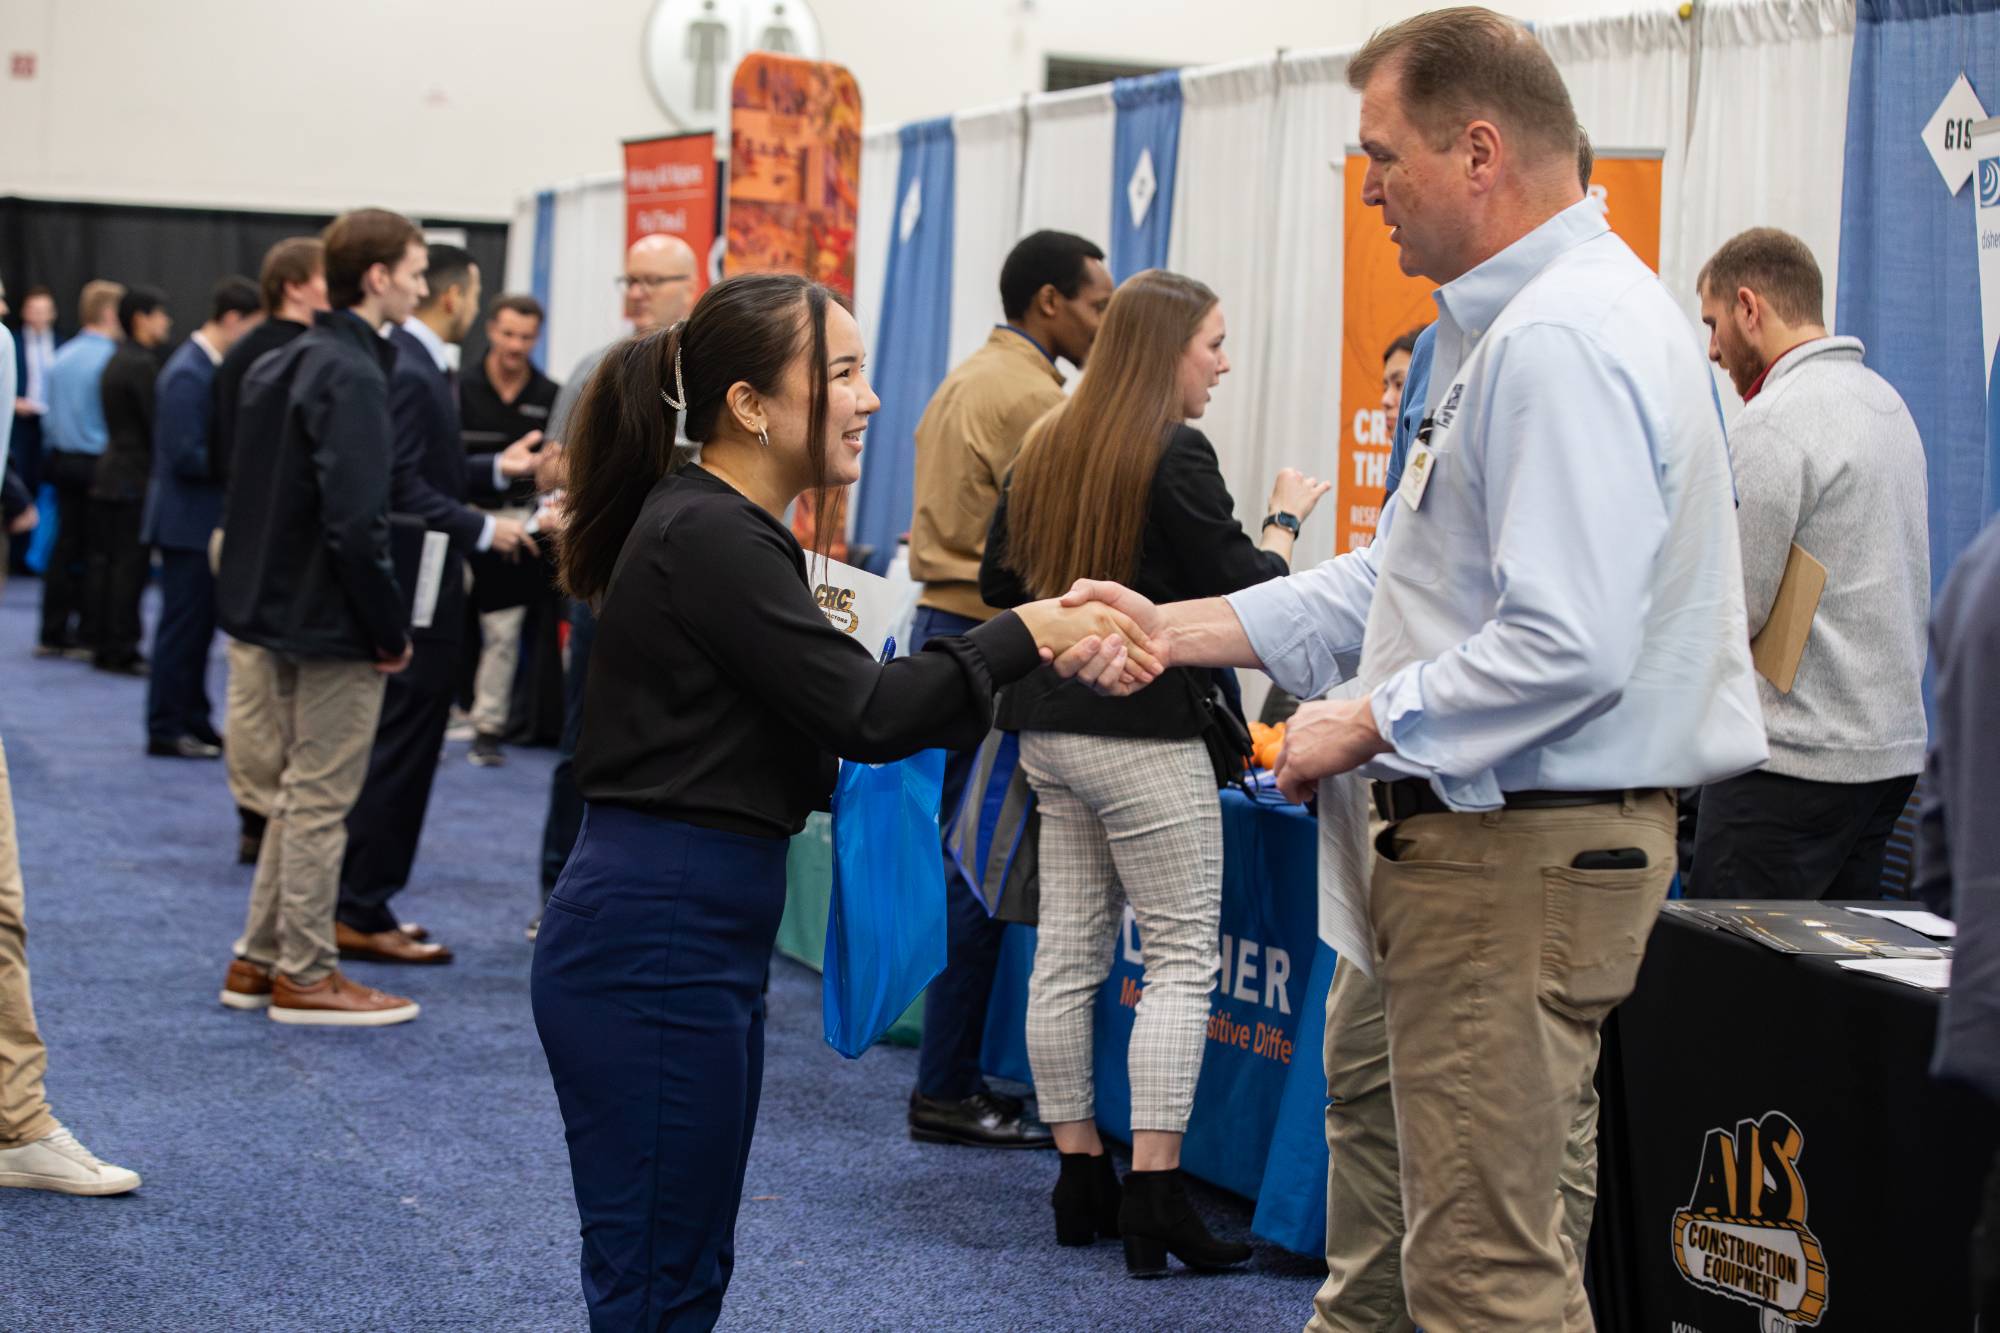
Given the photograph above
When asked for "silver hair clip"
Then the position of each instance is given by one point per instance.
(680, 387)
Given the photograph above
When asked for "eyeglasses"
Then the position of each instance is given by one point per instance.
(652, 282)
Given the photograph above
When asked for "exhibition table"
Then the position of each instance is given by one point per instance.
(1773, 1148)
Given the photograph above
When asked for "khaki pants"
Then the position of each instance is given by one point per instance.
(24, 1112)
(1363, 1292)
(253, 752)
(1498, 962)
(499, 657)
(326, 713)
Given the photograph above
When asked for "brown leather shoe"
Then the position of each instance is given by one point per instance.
(387, 946)
(334, 1001)
(247, 986)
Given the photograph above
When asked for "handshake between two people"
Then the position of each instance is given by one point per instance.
(1117, 642)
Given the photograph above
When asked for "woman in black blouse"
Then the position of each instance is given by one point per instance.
(718, 700)
(1115, 484)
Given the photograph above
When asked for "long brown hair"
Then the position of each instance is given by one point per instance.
(747, 328)
(1077, 504)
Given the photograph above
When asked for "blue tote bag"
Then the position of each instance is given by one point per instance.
(885, 929)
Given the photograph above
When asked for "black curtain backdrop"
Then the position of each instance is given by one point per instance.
(179, 250)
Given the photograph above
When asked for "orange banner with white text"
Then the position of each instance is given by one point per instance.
(671, 188)
(1380, 302)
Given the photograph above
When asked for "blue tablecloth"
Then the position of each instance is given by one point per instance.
(1258, 1127)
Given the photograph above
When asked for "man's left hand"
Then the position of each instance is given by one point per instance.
(1324, 739)
(518, 459)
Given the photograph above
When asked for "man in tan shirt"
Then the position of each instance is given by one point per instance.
(1053, 290)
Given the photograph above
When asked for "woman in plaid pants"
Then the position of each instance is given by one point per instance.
(1115, 484)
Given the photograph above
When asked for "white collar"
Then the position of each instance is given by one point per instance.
(441, 352)
(208, 348)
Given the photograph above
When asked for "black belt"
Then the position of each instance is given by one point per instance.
(1413, 796)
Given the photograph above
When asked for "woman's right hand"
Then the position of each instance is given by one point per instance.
(1088, 627)
(1295, 494)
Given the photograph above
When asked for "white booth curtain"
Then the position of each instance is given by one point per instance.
(1228, 156)
(992, 150)
(1066, 183)
(1770, 92)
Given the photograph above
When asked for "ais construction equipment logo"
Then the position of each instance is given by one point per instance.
(1743, 1234)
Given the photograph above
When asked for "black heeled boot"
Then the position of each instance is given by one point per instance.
(1158, 1220)
(1086, 1199)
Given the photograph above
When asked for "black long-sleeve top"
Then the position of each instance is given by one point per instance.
(720, 695)
(1192, 547)
(128, 390)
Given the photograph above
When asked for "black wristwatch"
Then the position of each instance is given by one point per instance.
(1289, 522)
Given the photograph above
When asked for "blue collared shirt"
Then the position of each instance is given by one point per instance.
(1564, 607)
(76, 404)
(1410, 414)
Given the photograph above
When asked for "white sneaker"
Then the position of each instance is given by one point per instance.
(461, 732)
(56, 1161)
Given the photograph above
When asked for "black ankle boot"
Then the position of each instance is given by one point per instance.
(1158, 1220)
(1086, 1199)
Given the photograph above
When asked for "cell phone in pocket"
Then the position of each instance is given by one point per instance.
(1615, 858)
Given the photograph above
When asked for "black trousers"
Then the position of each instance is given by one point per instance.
(177, 691)
(119, 564)
(1765, 835)
(388, 817)
(67, 618)
(565, 801)
(955, 1005)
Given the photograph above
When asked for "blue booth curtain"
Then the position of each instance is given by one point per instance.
(539, 270)
(1909, 275)
(913, 347)
(1145, 150)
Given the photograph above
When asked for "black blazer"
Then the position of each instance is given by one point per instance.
(128, 390)
(433, 474)
(305, 555)
(1192, 547)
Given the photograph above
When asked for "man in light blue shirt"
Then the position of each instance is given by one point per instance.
(1552, 639)
(73, 438)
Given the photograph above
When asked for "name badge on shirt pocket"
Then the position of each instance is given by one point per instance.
(1428, 444)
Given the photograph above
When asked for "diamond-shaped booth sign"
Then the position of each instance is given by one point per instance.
(1139, 191)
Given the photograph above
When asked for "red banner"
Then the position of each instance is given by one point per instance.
(670, 187)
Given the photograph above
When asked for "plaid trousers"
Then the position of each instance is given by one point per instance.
(1124, 820)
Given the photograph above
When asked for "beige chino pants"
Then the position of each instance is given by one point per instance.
(24, 1108)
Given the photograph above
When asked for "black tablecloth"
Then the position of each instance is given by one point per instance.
(1866, 1176)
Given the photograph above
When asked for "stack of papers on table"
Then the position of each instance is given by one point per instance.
(1932, 974)
(1811, 928)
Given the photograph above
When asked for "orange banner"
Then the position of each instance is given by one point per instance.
(794, 185)
(794, 169)
(670, 188)
(1379, 302)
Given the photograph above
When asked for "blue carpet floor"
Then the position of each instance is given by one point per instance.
(415, 1177)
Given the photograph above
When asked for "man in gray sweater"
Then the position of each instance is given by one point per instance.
(1827, 458)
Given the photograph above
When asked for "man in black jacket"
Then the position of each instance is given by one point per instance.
(119, 560)
(306, 579)
(433, 477)
(292, 283)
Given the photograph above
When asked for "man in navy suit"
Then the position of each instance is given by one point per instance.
(183, 508)
(35, 344)
(433, 475)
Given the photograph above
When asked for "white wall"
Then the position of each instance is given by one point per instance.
(455, 107)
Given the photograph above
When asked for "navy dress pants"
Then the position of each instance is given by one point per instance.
(648, 995)
(177, 690)
(955, 1005)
